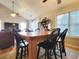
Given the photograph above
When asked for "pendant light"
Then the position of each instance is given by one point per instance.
(13, 14)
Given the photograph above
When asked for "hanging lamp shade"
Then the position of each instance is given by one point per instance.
(58, 1)
(13, 14)
(44, 1)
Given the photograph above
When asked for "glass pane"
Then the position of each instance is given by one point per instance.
(22, 26)
(62, 21)
(74, 23)
(33, 25)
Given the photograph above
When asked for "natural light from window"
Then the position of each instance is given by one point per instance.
(34, 25)
(22, 26)
(69, 20)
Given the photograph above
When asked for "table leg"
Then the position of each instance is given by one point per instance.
(32, 49)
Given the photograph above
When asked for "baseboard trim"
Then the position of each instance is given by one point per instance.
(73, 47)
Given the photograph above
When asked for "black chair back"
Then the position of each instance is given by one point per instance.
(50, 43)
(20, 45)
(54, 35)
(61, 42)
(63, 34)
(18, 38)
(52, 38)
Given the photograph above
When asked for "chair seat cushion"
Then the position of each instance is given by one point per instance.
(22, 44)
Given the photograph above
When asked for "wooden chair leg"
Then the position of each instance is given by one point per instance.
(24, 52)
(17, 52)
(45, 54)
(65, 52)
(21, 54)
(60, 50)
(63, 49)
(54, 53)
(38, 52)
(48, 54)
(51, 52)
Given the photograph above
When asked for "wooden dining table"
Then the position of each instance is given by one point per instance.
(33, 39)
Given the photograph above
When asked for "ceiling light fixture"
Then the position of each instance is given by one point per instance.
(13, 14)
(58, 1)
(44, 1)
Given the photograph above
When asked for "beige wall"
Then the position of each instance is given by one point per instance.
(53, 21)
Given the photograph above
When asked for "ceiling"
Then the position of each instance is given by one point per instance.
(31, 9)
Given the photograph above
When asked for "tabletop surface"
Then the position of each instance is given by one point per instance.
(34, 34)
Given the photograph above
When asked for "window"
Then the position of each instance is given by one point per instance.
(33, 25)
(22, 26)
(69, 20)
(62, 21)
(74, 23)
